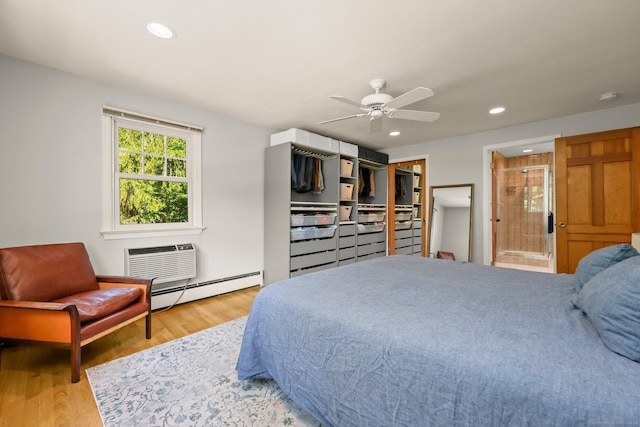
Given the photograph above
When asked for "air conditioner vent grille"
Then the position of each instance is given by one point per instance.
(166, 263)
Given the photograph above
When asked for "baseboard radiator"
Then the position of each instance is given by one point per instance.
(194, 291)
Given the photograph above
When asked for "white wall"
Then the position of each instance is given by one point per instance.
(459, 160)
(51, 171)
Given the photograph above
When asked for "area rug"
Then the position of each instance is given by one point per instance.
(190, 381)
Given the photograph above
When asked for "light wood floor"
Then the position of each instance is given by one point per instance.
(35, 382)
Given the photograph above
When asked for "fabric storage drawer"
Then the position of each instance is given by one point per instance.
(345, 213)
(346, 167)
(417, 224)
(372, 238)
(312, 260)
(301, 220)
(346, 191)
(417, 249)
(346, 253)
(417, 240)
(313, 269)
(308, 233)
(373, 247)
(311, 246)
(347, 230)
(417, 232)
(348, 241)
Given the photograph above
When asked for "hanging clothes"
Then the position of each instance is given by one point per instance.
(306, 174)
(401, 187)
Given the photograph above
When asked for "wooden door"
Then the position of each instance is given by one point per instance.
(598, 193)
(497, 162)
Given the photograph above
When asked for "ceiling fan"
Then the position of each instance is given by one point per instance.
(379, 105)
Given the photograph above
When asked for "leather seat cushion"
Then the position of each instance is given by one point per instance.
(94, 305)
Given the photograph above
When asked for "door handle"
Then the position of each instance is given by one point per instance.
(562, 224)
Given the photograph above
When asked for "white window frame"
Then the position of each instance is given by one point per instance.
(111, 227)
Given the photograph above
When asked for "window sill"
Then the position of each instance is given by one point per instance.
(137, 234)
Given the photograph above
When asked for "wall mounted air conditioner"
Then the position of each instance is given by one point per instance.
(165, 263)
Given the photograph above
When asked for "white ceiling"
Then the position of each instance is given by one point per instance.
(275, 63)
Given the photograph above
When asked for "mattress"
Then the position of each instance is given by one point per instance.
(411, 341)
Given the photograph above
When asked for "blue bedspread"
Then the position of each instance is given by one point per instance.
(409, 341)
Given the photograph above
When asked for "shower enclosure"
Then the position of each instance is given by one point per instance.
(523, 212)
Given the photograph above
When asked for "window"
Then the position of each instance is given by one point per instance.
(152, 177)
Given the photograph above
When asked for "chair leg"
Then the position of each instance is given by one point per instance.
(148, 325)
(76, 351)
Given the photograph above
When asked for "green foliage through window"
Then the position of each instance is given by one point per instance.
(153, 184)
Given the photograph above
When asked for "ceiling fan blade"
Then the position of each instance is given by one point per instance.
(343, 118)
(375, 125)
(423, 116)
(415, 95)
(347, 101)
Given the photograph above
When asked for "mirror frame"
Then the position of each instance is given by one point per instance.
(430, 212)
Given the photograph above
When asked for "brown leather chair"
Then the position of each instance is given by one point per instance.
(50, 294)
(445, 255)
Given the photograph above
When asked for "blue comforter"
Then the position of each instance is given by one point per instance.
(409, 341)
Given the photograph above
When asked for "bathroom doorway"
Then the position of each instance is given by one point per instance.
(523, 227)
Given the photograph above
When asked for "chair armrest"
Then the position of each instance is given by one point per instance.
(39, 321)
(144, 283)
(124, 279)
(53, 306)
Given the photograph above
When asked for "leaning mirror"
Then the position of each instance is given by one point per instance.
(450, 221)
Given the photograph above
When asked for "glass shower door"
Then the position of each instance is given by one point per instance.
(523, 209)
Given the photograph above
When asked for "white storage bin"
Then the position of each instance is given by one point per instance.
(416, 197)
(300, 220)
(371, 217)
(403, 216)
(403, 225)
(308, 233)
(348, 149)
(307, 139)
(346, 167)
(346, 191)
(345, 213)
(370, 228)
(416, 180)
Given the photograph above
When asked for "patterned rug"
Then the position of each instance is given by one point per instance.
(190, 381)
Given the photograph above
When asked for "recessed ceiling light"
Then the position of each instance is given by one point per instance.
(160, 30)
(496, 110)
(528, 150)
(394, 133)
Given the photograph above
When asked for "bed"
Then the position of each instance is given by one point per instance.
(409, 341)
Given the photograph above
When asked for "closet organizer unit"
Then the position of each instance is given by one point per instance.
(408, 210)
(372, 205)
(348, 203)
(301, 214)
(307, 230)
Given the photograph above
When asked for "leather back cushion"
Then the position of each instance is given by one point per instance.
(45, 272)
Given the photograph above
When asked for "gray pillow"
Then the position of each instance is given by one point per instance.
(600, 260)
(611, 300)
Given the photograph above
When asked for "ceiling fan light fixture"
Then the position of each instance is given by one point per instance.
(497, 110)
(160, 30)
